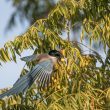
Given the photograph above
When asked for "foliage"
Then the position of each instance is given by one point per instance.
(30, 10)
(79, 85)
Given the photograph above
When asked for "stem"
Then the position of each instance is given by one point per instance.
(68, 32)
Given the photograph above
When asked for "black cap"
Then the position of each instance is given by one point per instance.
(55, 53)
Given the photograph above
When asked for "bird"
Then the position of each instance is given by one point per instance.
(41, 72)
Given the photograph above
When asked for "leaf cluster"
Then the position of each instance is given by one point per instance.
(80, 84)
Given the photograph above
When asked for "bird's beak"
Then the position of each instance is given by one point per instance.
(62, 59)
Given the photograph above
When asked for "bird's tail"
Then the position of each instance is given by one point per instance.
(29, 58)
(20, 86)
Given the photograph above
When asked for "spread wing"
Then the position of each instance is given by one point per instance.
(41, 72)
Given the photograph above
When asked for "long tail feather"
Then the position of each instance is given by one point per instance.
(29, 58)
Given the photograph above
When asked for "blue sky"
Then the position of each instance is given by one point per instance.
(10, 71)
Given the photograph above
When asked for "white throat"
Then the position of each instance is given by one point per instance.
(54, 59)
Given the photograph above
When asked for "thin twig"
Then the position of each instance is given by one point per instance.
(68, 32)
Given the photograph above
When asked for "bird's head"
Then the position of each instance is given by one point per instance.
(57, 54)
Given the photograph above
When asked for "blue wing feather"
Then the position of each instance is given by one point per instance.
(41, 73)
